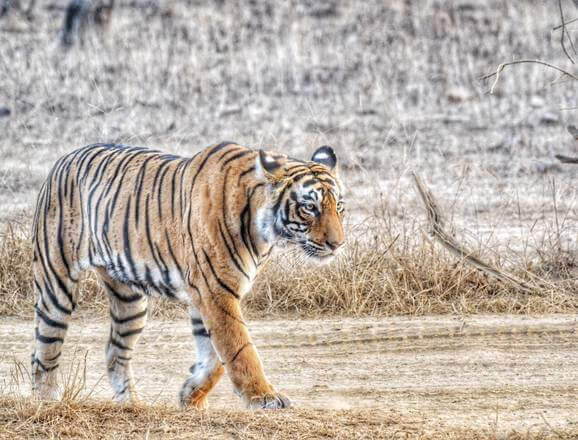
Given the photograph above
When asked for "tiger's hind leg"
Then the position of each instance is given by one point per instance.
(205, 373)
(55, 291)
(128, 312)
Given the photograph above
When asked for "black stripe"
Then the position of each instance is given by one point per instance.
(125, 299)
(232, 254)
(212, 151)
(211, 296)
(161, 189)
(221, 282)
(235, 157)
(138, 187)
(309, 182)
(44, 368)
(280, 200)
(118, 320)
(148, 233)
(128, 333)
(48, 265)
(117, 344)
(124, 388)
(184, 167)
(47, 339)
(53, 358)
(126, 241)
(53, 298)
(244, 173)
(232, 251)
(290, 168)
(201, 333)
(49, 321)
(239, 352)
(297, 177)
(172, 254)
(97, 150)
(59, 236)
(246, 226)
(249, 222)
(328, 181)
(173, 190)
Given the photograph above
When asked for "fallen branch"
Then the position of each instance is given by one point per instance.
(436, 222)
(511, 63)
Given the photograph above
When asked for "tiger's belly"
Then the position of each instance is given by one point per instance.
(152, 278)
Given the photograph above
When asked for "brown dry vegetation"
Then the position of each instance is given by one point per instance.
(25, 419)
(378, 275)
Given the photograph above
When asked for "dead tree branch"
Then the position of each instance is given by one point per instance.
(511, 63)
(560, 26)
(566, 159)
(436, 222)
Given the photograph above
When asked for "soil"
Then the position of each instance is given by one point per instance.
(490, 372)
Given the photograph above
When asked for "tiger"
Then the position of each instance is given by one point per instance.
(192, 229)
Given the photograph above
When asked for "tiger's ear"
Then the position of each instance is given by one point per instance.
(325, 156)
(269, 167)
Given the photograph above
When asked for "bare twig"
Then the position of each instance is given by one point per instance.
(563, 36)
(560, 26)
(566, 159)
(543, 63)
(437, 230)
(550, 426)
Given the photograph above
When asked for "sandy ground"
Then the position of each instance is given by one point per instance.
(496, 372)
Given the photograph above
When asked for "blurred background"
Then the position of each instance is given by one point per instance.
(394, 86)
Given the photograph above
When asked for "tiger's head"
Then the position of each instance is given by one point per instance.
(306, 202)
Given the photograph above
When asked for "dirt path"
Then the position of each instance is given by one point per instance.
(498, 372)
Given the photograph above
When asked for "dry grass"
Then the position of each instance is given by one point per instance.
(26, 419)
(381, 273)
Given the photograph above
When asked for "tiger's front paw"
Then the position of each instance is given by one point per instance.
(269, 401)
(192, 396)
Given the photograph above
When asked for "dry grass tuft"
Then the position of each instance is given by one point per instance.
(381, 272)
(15, 275)
(26, 419)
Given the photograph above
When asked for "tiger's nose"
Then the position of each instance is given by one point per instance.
(333, 245)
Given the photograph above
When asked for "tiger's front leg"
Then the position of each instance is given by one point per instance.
(205, 372)
(229, 336)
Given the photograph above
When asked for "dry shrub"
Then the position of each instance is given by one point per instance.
(24, 419)
(378, 279)
(381, 272)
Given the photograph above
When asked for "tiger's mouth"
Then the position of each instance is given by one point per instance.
(317, 254)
